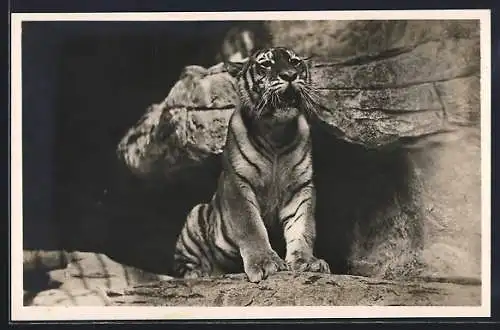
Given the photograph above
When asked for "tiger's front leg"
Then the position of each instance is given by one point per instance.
(299, 229)
(259, 259)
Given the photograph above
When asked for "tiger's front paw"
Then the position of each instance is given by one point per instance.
(259, 266)
(308, 264)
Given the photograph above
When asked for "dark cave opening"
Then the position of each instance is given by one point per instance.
(357, 190)
(86, 83)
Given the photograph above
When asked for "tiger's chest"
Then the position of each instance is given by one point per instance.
(273, 188)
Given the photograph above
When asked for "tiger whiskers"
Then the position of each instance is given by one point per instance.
(269, 97)
(266, 96)
(310, 98)
(275, 98)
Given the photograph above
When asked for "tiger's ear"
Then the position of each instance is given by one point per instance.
(234, 68)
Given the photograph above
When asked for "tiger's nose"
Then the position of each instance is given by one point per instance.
(288, 75)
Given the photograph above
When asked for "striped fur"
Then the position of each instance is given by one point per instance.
(267, 179)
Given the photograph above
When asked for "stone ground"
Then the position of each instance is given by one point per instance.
(96, 280)
(305, 289)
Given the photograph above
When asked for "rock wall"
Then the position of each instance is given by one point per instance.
(331, 40)
(396, 144)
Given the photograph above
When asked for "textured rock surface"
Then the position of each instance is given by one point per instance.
(306, 289)
(41, 260)
(450, 182)
(88, 280)
(396, 145)
(187, 127)
(341, 39)
(96, 280)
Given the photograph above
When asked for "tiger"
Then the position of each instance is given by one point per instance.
(266, 183)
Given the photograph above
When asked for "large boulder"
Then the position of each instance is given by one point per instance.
(396, 143)
(186, 128)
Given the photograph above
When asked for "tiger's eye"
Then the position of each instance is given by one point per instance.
(266, 64)
(294, 61)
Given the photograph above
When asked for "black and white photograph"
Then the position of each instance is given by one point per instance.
(250, 165)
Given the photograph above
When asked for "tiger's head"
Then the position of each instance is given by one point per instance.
(276, 83)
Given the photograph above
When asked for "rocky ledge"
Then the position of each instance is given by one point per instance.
(91, 279)
(300, 289)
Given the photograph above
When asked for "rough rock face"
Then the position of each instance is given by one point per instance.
(305, 289)
(327, 40)
(396, 144)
